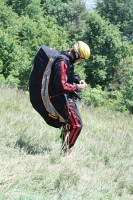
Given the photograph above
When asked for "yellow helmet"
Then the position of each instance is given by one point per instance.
(82, 50)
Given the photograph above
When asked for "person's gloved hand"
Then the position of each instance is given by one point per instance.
(82, 85)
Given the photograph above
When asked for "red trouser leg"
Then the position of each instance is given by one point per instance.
(75, 123)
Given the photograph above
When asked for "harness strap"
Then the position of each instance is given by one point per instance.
(65, 144)
(66, 128)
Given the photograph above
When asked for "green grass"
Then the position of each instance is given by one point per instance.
(31, 167)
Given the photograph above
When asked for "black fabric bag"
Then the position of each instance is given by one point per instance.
(39, 83)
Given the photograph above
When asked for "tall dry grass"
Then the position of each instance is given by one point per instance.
(31, 168)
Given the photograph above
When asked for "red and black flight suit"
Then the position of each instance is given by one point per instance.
(64, 77)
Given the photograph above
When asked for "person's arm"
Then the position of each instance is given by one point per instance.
(60, 78)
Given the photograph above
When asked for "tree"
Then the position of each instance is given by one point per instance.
(9, 20)
(119, 13)
(69, 14)
(32, 8)
(9, 27)
(13, 60)
(77, 17)
(107, 51)
(20, 38)
(44, 31)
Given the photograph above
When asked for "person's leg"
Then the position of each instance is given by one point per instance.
(75, 126)
(76, 123)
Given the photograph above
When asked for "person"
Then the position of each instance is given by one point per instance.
(62, 84)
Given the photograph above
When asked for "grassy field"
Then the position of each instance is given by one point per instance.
(31, 167)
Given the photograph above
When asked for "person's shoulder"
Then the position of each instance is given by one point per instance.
(63, 56)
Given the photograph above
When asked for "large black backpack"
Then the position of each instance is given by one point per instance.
(39, 82)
